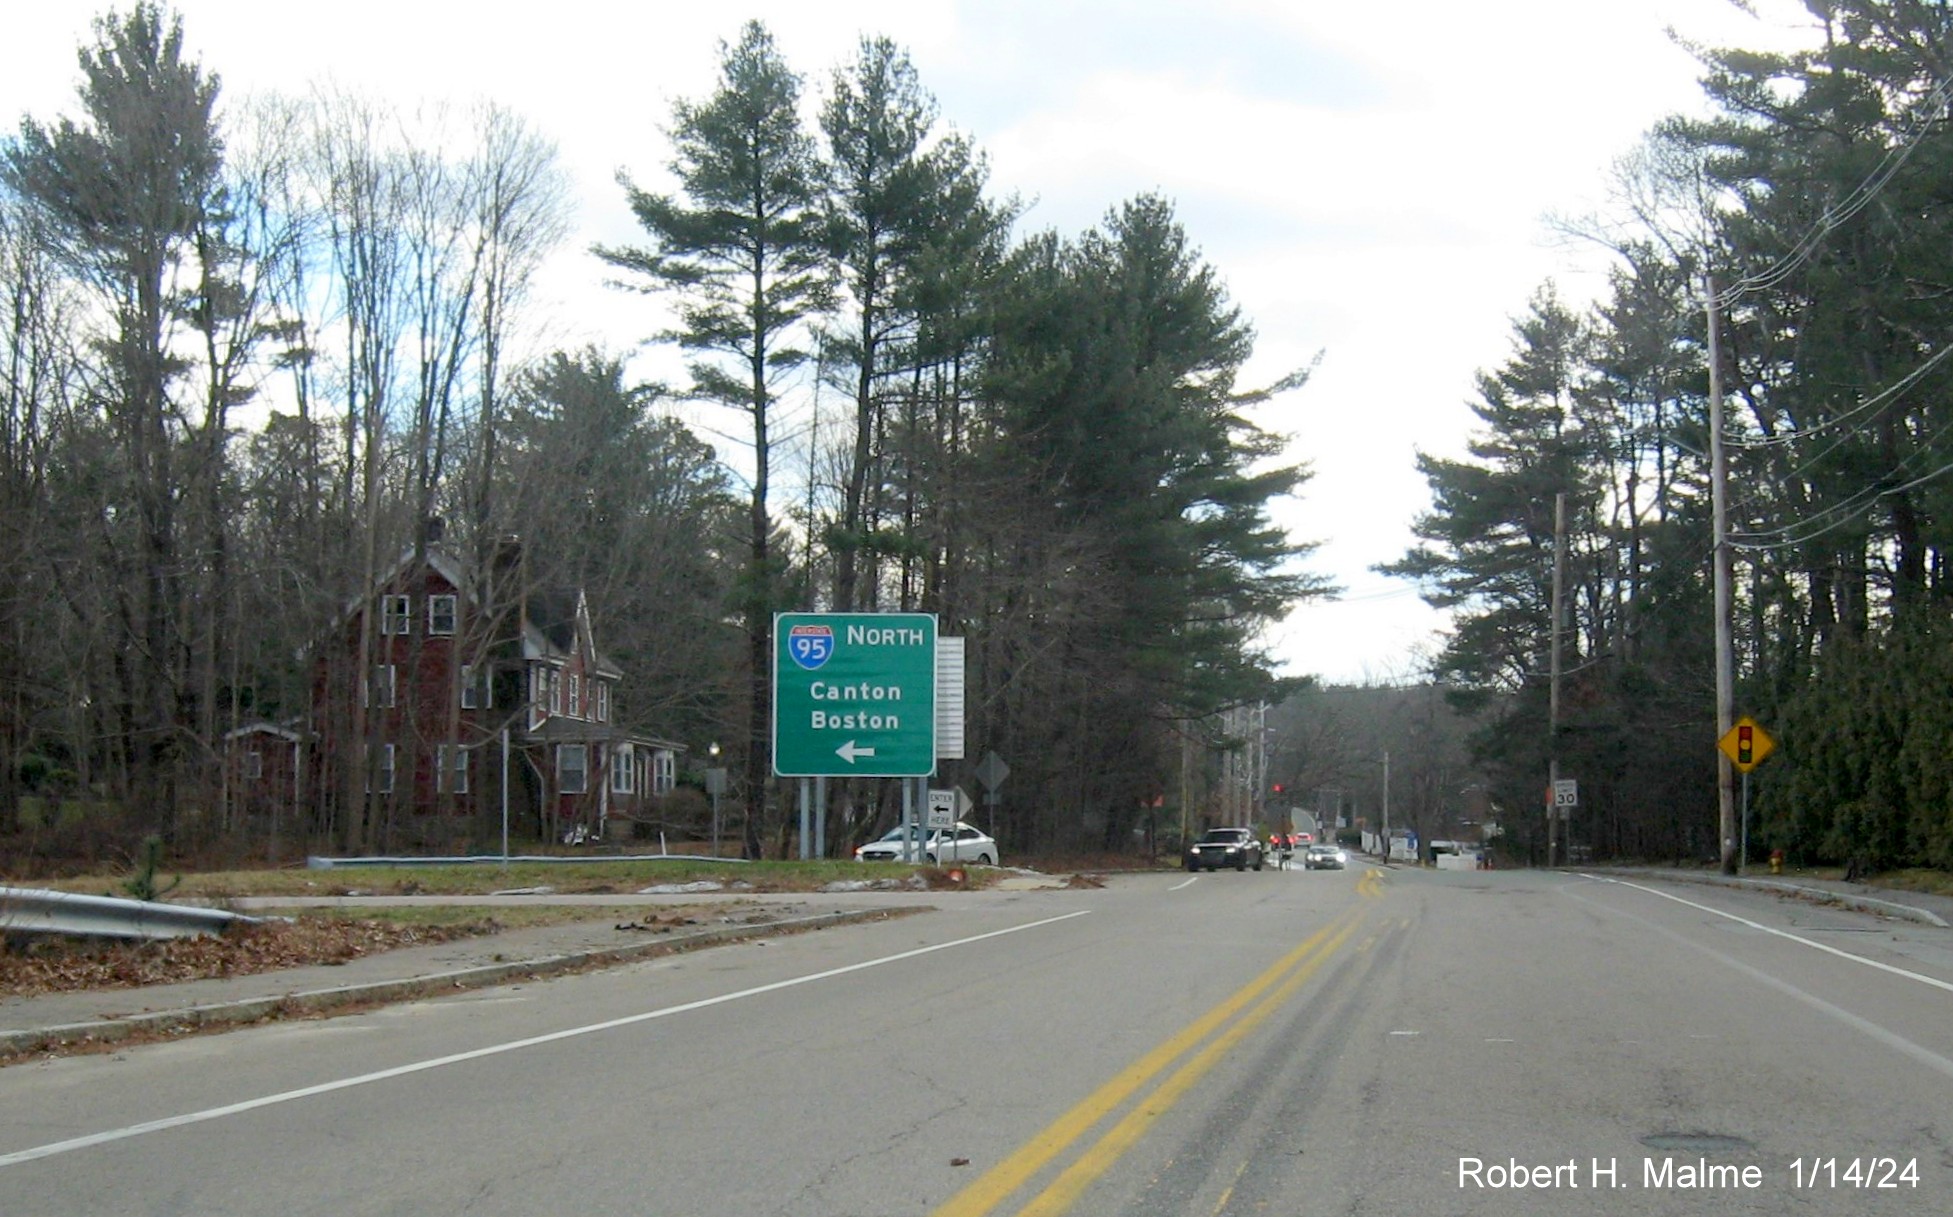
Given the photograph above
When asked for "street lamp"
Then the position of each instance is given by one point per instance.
(715, 781)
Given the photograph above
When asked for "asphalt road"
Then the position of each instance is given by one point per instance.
(1361, 1042)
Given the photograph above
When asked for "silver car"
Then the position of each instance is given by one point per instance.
(1325, 857)
(963, 843)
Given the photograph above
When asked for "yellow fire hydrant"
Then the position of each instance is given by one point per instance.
(1776, 862)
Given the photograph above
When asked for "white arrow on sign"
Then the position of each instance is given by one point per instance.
(848, 752)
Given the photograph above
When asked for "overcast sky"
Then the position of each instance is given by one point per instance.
(1370, 180)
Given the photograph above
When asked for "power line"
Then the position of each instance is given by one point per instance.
(1852, 509)
(1871, 492)
(1854, 202)
(1855, 506)
(1878, 399)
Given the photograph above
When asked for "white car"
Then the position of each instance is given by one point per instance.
(963, 843)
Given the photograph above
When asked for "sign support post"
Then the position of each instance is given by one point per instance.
(1745, 744)
(909, 841)
(806, 829)
(1743, 858)
(820, 817)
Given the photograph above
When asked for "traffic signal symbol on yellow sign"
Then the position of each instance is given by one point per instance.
(1746, 744)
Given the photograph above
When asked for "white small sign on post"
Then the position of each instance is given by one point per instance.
(942, 809)
(1566, 796)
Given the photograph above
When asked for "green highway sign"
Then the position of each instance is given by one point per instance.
(854, 694)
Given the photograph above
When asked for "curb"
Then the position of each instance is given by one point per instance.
(1817, 895)
(321, 1001)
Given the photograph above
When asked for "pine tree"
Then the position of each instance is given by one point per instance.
(1115, 381)
(741, 252)
(126, 193)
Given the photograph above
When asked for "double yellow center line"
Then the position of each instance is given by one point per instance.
(1259, 998)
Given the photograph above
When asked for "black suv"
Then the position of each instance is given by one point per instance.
(1239, 848)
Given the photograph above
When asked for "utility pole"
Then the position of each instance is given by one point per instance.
(1261, 762)
(1186, 785)
(1228, 799)
(1386, 806)
(1725, 645)
(1553, 685)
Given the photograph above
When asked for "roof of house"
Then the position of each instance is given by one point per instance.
(263, 728)
(555, 620)
(556, 624)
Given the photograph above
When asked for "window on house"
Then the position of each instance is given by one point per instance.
(440, 614)
(396, 614)
(538, 708)
(380, 686)
(254, 764)
(477, 686)
(576, 698)
(665, 775)
(379, 769)
(603, 701)
(620, 771)
(555, 691)
(573, 768)
(452, 774)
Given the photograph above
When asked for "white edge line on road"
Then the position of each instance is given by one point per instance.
(1934, 981)
(1890, 1039)
(1849, 900)
(232, 1109)
(1189, 881)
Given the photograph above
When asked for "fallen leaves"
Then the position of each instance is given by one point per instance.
(66, 965)
(659, 925)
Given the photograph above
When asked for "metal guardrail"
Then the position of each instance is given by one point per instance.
(25, 910)
(315, 862)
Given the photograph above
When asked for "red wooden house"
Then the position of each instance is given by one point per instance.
(445, 705)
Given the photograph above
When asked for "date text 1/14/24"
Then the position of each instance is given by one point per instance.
(1855, 1172)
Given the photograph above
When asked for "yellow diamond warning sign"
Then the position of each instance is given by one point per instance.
(1746, 744)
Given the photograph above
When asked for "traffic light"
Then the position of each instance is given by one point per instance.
(1745, 745)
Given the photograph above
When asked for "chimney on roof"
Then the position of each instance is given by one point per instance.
(501, 585)
(505, 569)
(507, 558)
(436, 529)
